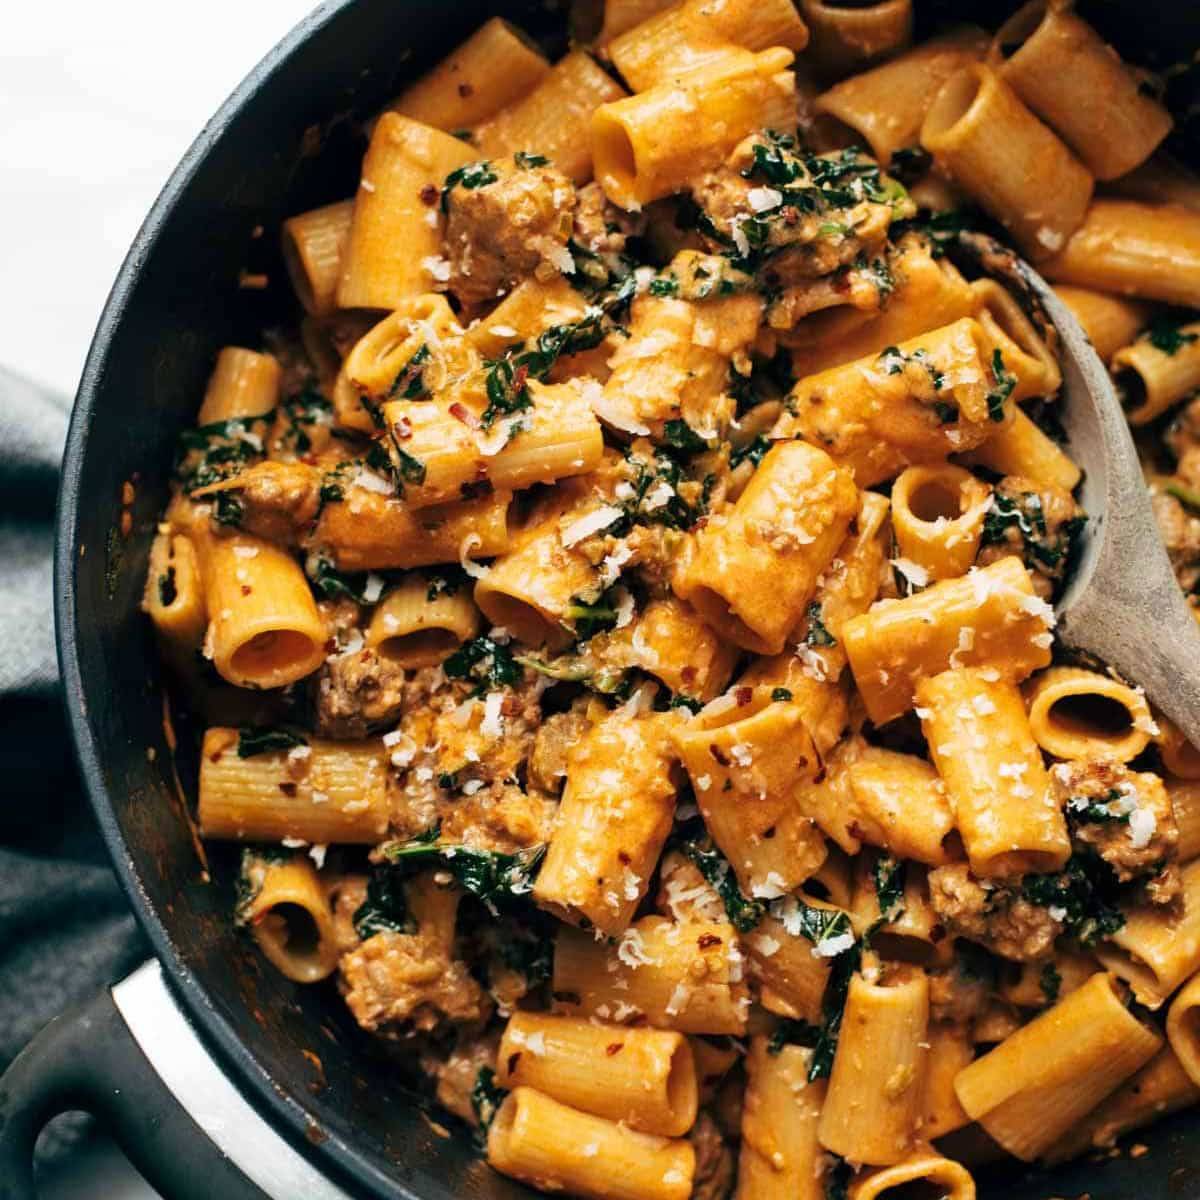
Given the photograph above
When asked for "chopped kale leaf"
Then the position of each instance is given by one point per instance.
(472, 176)
(998, 395)
(1086, 891)
(817, 634)
(1050, 981)
(744, 914)
(1165, 335)
(384, 909)
(254, 740)
(485, 661)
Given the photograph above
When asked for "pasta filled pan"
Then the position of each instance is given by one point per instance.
(601, 538)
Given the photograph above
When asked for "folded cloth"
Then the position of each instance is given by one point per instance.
(65, 928)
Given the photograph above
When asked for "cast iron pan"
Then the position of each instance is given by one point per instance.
(288, 140)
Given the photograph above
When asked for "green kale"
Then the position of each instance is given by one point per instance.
(880, 274)
(1086, 890)
(679, 435)
(817, 634)
(587, 618)
(664, 285)
(308, 407)
(1025, 514)
(525, 951)
(333, 584)
(998, 395)
(792, 1033)
(228, 510)
(942, 229)
(529, 161)
(488, 663)
(679, 700)
(1085, 808)
(1165, 335)
(472, 176)
(781, 694)
(888, 875)
(214, 452)
(752, 452)
(486, 1098)
(384, 909)
(1050, 981)
(409, 383)
(744, 914)
(495, 879)
(254, 740)
(647, 505)
(410, 469)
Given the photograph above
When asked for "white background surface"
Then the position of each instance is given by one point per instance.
(98, 102)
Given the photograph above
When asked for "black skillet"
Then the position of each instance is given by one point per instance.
(222, 1080)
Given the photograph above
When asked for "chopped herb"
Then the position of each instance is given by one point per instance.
(1025, 514)
(946, 413)
(679, 435)
(254, 740)
(472, 176)
(1086, 890)
(409, 383)
(334, 584)
(664, 285)
(743, 914)
(228, 510)
(384, 909)
(306, 408)
(888, 875)
(412, 470)
(792, 1033)
(753, 452)
(586, 619)
(529, 161)
(781, 694)
(214, 452)
(486, 1098)
(942, 229)
(1051, 983)
(491, 664)
(679, 700)
(1166, 336)
(492, 878)
(909, 163)
(446, 581)
(1085, 808)
(817, 634)
(1005, 383)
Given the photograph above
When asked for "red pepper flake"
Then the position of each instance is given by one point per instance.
(288, 789)
(688, 674)
(460, 412)
(623, 858)
(743, 696)
(706, 941)
(429, 195)
(614, 1048)
(718, 754)
(465, 90)
(246, 589)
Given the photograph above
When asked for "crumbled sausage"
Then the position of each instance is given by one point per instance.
(996, 916)
(357, 693)
(273, 500)
(714, 1161)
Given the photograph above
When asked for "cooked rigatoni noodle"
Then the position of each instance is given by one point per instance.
(441, 452)
(900, 804)
(288, 913)
(791, 978)
(1159, 180)
(979, 132)
(989, 618)
(531, 588)
(871, 1108)
(980, 740)
(531, 308)
(555, 118)
(687, 35)
(1109, 321)
(416, 625)
(174, 596)
(1149, 380)
(264, 628)
(1033, 1087)
(556, 1148)
(1075, 713)
(320, 792)
(1160, 1088)
(925, 1169)
(1157, 949)
(917, 402)
(1021, 448)
(313, 244)
(910, 931)
(823, 702)
(685, 975)
(493, 68)
(745, 762)
(1078, 85)
(950, 1050)
(780, 1155)
(1028, 988)
(887, 104)
(937, 518)
(243, 383)
(755, 566)
(1179, 756)
(1023, 349)
(1183, 1028)
(370, 531)
(645, 1078)
(845, 36)
(392, 246)
(1185, 804)
(930, 293)
(1151, 251)
(610, 828)
(656, 142)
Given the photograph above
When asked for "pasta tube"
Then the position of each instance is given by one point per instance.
(610, 828)
(989, 618)
(791, 978)
(243, 383)
(1032, 1088)
(900, 804)
(984, 750)
(1060, 67)
(1075, 713)
(390, 246)
(673, 975)
(756, 566)
(887, 104)
(1150, 381)
(1183, 1028)
(645, 1078)
(845, 36)
(174, 596)
(1021, 448)
(992, 146)
(871, 1107)
(780, 1154)
(745, 761)
(289, 915)
(550, 1146)
(1109, 321)
(321, 792)
(950, 1050)
(668, 45)
(944, 1177)
(1179, 756)
(1185, 804)
(313, 244)
(937, 518)
(414, 628)
(492, 69)
(1023, 349)
(654, 143)
(1151, 251)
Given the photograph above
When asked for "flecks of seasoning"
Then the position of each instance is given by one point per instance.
(614, 1048)
(465, 90)
(429, 195)
(743, 695)
(706, 941)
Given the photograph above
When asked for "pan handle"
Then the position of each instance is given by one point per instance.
(88, 1059)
